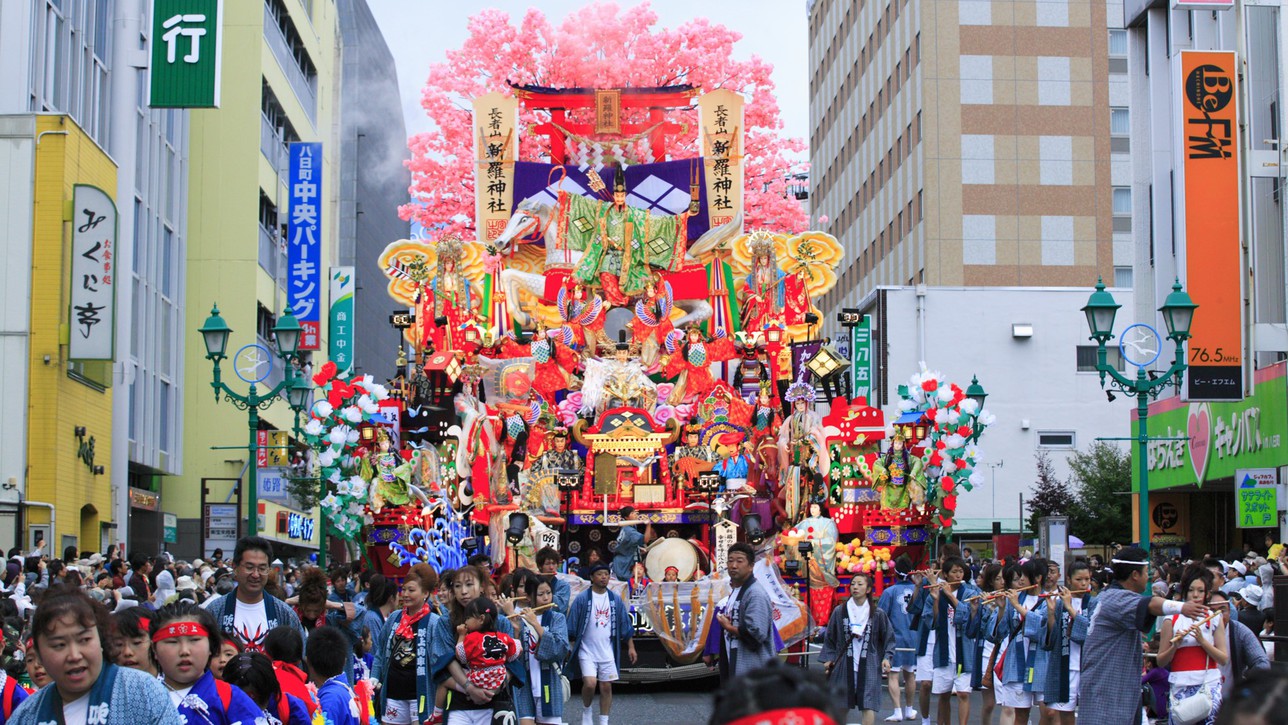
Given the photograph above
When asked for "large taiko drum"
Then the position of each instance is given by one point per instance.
(674, 552)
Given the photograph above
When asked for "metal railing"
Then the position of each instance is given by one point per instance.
(272, 145)
(304, 87)
(270, 254)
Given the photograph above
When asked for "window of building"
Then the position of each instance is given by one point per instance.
(164, 405)
(1122, 201)
(1119, 121)
(1123, 277)
(1087, 358)
(1117, 43)
(264, 322)
(1056, 439)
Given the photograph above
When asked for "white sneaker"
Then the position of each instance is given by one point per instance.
(896, 717)
(909, 713)
(587, 716)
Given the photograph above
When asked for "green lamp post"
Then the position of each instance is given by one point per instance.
(1178, 315)
(215, 333)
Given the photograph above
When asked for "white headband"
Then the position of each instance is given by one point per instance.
(1125, 561)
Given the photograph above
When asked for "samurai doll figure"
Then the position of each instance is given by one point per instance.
(688, 361)
(390, 476)
(553, 360)
(543, 491)
(449, 303)
(652, 322)
(691, 458)
(765, 292)
(802, 449)
(897, 475)
(582, 313)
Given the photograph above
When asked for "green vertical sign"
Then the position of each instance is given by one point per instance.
(861, 358)
(1256, 499)
(186, 53)
(340, 326)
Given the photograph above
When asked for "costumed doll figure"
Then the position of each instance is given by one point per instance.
(765, 293)
(582, 313)
(802, 448)
(691, 458)
(553, 361)
(858, 648)
(616, 382)
(449, 304)
(735, 464)
(897, 476)
(689, 362)
(390, 476)
(652, 321)
(480, 455)
(543, 491)
(615, 257)
(819, 529)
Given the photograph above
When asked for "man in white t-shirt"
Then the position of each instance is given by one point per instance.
(598, 621)
(248, 612)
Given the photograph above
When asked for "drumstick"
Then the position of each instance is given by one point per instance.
(1195, 628)
(534, 610)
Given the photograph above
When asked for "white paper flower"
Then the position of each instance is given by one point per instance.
(326, 458)
(378, 391)
(945, 394)
(338, 435)
(313, 428)
(906, 405)
(352, 436)
(941, 416)
(976, 478)
(329, 502)
(322, 409)
(968, 406)
(352, 414)
(948, 467)
(954, 441)
(335, 476)
(367, 405)
(986, 418)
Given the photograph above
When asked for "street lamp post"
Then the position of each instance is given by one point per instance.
(1178, 314)
(286, 333)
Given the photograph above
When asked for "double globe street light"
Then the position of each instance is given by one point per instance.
(1178, 315)
(294, 387)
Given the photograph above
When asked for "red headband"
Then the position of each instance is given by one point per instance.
(789, 716)
(145, 624)
(180, 629)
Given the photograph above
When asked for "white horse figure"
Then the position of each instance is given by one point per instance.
(532, 215)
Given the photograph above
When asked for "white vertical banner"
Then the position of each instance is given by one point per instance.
(92, 312)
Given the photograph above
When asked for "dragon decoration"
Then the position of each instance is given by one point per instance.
(950, 452)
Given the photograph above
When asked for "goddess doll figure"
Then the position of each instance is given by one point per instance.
(802, 448)
(765, 293)
(896, 476)
(390, 476)
(449, 304)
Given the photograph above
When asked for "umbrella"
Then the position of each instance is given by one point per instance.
(1075, 542)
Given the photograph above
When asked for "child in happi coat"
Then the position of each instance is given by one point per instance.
(858, 648)
(326, 652)
(481, 648)
(184, 639)
(545, 642)
(981, 628)
(253, 673)
(895, 601)
(1013, 687)
(1061, 633)
(951, 650)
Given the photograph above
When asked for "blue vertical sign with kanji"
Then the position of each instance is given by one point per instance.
(304, 233)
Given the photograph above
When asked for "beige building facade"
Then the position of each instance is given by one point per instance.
(965, 142)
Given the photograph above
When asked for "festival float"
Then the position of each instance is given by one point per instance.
(614, 359)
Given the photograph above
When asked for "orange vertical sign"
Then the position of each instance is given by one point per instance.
(1210, 145)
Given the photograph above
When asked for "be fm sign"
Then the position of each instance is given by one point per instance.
(1207, 142)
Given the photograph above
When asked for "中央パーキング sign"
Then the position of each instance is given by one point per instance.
(304, 248)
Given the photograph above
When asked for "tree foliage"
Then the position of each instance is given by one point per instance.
(597, 46)
(1051, 496)
(1103, 513)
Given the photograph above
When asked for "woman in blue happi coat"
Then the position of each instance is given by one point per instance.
(1046, 574)
(1014, 689)
(69, 636)
(953, 651)
(1060, 634)
(545, 642)
(465, 585)
(400, 667)
(982, 630)
(184, 637)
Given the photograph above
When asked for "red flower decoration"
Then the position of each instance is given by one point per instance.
(936, 459)
(945, 521)
(930, 386)
(950, 503)
(947, 484)
(326, 373)
(963, 431)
